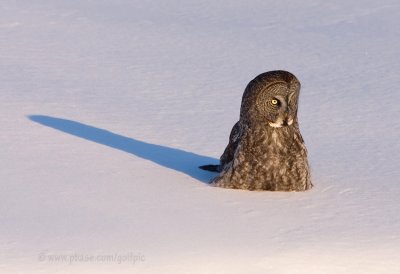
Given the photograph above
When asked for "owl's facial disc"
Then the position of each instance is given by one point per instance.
(278, 112)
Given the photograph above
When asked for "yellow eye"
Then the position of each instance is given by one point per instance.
(274, 101)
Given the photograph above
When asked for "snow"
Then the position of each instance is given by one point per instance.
(108, 107)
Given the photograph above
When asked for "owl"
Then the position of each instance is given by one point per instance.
(266, 150)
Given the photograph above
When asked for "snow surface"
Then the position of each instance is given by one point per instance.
(108, 107)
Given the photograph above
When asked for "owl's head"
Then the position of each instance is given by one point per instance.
(271, 98)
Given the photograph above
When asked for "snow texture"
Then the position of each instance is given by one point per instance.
(108, 107)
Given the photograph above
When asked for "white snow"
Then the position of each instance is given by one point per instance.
(108, 107)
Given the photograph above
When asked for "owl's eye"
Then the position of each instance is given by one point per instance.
(274, 102)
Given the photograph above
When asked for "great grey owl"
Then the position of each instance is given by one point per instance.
(266, 150)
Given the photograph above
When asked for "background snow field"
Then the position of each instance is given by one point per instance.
(108, 107)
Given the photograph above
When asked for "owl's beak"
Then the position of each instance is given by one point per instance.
(285, 118)
(288, 120)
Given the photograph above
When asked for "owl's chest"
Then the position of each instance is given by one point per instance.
(272, 154)
(273, 143)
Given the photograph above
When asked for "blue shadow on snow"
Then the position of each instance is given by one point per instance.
(176, 159)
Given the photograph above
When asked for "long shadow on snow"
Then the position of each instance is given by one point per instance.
(179, 160)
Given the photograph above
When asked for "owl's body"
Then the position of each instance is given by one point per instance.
(266, 150)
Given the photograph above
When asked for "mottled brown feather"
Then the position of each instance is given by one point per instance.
(266, 151)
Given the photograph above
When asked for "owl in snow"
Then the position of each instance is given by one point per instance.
(266, 150)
